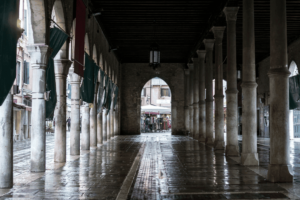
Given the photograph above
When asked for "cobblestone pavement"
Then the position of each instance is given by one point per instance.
(171, 167)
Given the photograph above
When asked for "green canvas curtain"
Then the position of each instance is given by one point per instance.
(100, 92)
(88, 84)
(116, 93)
(294, 92)
(57, 40)
(109, 96)
(105, 91)
(8, 46)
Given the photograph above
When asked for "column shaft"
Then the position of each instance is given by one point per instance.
(232, 148)
(99, 129)
(104, 125)
(209, 102)
(116, 121)
(249, 123)
(196, 98)
(108, 126)
(191, 98)
(186, 100)
(93, 121)
(201, 110)
(280, 169)
(85, 129)
(39, 57)
(112, 121)
(61, 69)
(6, 142)
(219, 106)
(75, 114)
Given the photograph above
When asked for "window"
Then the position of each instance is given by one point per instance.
(143, 94)
(26, 72)
(18, 73)
(165, 92)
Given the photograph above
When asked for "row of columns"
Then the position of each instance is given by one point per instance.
(95, 128)
(199, 100)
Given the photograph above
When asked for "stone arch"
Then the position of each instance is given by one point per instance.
(58, 16)
(72, 41)
(86, 44)
(101, 62)
(38, 28)
(146, 79)
(293, 68)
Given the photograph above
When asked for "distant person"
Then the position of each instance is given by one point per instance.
(69, 123)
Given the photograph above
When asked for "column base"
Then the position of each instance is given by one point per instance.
(280, 173)
(202, 139)
(99, 145)
(219, 145)
(210, 141)
(93, 147)
(232, 150)
(249, 159)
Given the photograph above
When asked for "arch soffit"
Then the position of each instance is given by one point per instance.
(292, 67)
(146, 79)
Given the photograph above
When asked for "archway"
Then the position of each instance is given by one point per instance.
(155, 107)
(294, 125)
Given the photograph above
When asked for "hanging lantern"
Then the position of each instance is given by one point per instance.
(154, 56)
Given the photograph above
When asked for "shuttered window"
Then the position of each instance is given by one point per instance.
(26, 72)
(165, 92)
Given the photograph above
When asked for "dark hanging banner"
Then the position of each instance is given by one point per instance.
(105, 91)
(8, 46)
(57, 40)
(100, 92)
(109, 96)
(79, 39)
(116, 93)
(294, 92)
(88, 85)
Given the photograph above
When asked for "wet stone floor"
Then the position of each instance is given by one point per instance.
(170, 167)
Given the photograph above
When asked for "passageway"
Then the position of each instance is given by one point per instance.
(170, 167)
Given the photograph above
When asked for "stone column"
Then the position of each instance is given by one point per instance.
(104, 125)
(61, 69)
(291, 124)
(85, 129)
(249, 123)
(108, 125)
(99, 138)
(174, 117)
(112, 114)
(232, 146)
(75, 113)
(93, 121)
(209, 101)
(196, 99)
(280, 169)
(202, 112)
(39, 57)
(219, 109)
(186, 100)
(116, 120)
(6, 142)
(191, 99)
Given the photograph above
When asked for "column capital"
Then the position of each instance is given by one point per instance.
(231, 13)
(201, 54)
(191, 66)
(62, 66)
(39, 55)
(218, 32)
(209, 44)
(75, 78)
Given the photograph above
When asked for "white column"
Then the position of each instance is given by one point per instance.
(209, 101)
(75, 114)
(99, 130)
(191, 99)
(112, 113)
(85, 130)
(6, 143)
(291, 124)
(61, 69)
(93, 121)
(232, 146)
(186, 100)
(39, 57)
(280, 169)
(202, 112)
(104, 125)
(116, 120)
(196, 98)
(249, 154)
(108, 126)
(219, 96)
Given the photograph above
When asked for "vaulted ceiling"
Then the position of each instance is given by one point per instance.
(178, 27)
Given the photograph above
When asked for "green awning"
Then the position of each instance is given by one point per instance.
(88, 84)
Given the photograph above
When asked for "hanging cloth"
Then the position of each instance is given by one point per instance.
(105, 91)
(87, 87)
(8, 46)
(100, 91)
(57, 40)
(109, 96)
(294, 92)
(116, 92)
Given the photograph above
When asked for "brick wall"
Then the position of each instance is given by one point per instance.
(134, 77)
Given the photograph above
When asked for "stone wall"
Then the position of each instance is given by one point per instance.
(134, 77)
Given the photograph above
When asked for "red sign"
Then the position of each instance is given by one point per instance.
(79, 38)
